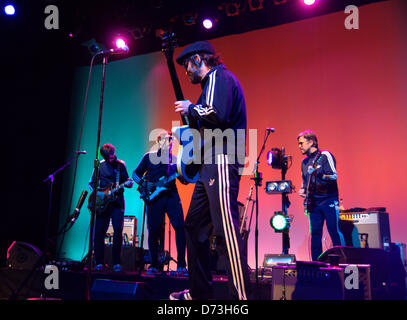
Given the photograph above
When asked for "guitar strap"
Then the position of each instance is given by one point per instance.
(313, 177)
(117, 175)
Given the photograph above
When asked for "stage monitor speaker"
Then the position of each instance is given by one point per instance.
(387, 271)
(365, 229)
(22, 256)
(307, 281)
(106, 289)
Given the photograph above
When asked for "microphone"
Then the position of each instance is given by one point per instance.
(270, 129)
(81, 152)
(77, 210)
(124, 49)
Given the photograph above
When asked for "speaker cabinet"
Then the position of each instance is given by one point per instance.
(387, 272)
(106, 289)
(22, 256)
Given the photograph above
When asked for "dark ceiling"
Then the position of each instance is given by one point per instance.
(142, 21)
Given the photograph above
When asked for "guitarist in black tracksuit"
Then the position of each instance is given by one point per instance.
(152, 167)
(320, 189)
(220, 110)
(112, 171)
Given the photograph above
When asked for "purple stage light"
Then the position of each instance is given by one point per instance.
(207, 23)
(9, 10)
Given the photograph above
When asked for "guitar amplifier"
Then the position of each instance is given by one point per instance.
(365, 229)
(129, 232)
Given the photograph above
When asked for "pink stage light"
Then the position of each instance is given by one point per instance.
(120, 43)
(309, 2)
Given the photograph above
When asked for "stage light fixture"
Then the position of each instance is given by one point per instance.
(207, 23)
(93, 46)
(255, 5)
(275, 158)
(232, 9)
(121, 43)
(309, 2)
(278, 187)
(271, 259)
(278, 2)
(280, 222)
(189, 19)
(9, 10)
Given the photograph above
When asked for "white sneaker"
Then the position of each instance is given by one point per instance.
(182, 295)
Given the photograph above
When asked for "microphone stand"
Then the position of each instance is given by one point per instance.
(45, 254)
(95, 184)
(51, 178)
(258, 181)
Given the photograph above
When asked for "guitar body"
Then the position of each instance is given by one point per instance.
(103, 198)
(307, 200)
(187, 164)
(150, 190)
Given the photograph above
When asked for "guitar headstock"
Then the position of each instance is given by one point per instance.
(169, 42)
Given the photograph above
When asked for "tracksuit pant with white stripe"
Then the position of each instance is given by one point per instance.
(324, 209)
(215, 200)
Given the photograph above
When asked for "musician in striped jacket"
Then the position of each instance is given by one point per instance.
(153, 167)
(319, 174)
(220, 109)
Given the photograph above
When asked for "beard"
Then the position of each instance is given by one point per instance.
(194, 76)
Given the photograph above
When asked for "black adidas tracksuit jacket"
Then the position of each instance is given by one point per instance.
(214, 200)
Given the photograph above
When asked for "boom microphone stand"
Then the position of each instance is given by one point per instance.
(44, 258)
(258, 180)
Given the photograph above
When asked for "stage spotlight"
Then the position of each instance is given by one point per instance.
(281, 186)
(255, 5)
(275, 158)
(279, 222)
(309, 2)
(207, 23)
(9, 10)
(121, 43)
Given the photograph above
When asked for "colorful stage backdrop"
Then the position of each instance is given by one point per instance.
(350, 87)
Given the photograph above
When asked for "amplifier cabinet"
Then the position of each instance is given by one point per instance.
(316, 283)
(365, 229)
(129, 232)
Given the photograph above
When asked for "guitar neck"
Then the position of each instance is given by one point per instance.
(175, 81)
(171, 177)
(118, 187)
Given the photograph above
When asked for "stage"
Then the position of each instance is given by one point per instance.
(72, 285)
(344, 273)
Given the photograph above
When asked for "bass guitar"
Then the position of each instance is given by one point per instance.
(150, 190)
(187, 167)
(105, 196)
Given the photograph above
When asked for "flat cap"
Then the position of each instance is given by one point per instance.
(193, 48)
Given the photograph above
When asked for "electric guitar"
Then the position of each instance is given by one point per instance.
(187, 167)
(307, 200)
(105, 196)
(150, 190)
